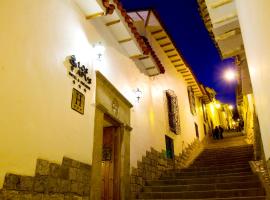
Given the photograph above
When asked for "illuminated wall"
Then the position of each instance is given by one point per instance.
(254, 22)
(36, 119)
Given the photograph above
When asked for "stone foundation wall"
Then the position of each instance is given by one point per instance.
(68, 181)
(154, 164)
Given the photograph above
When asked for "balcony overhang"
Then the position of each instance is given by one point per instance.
(119, 23)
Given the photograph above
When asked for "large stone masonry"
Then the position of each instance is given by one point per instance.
(68, 181)
(155, 163)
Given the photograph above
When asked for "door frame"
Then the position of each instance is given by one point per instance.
(110, 103)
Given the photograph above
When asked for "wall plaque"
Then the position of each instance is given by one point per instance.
(77, 102)
(79, 73)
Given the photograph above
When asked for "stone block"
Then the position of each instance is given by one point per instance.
(72, 197)
(40, 184)
(42, 167)
(53, 197)
(11, 181)
(54, 170)
(72, 173)
(53, 185)
(70, 162)
(11, 195)
(64, 172)
(85, 166)
(64, 186)
(86, 177)
(25, 196)
(25, 183)
(80, 175)
(74, 187)
(37, 196)
(86, 190)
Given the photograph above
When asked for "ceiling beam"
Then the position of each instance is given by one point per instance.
(166, 44)
(161, 38)
(156, 32)
(125, 40)
(113, 22)
(169, 50)
(92, 16)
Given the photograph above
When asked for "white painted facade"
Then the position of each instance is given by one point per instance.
(36, 119)
(255, 26)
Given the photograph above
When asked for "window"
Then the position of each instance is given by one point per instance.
(191, 98)
(197, 130)
(173, 112)
(169, 147)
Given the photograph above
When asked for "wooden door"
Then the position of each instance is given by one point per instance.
(110, 166)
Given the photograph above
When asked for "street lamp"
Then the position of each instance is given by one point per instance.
(231, 107)
(230, 75)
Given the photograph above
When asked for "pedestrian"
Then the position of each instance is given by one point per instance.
(216, 133)
(220, 132)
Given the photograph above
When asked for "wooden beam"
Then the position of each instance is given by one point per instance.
(143, 58)
(187, 75)
(113, 22)
(125, 40)
(92, 16)
(166, 44)
(220, 3)
(179, 65)
(183, 70)
(161, 38)
(149, 68)
(174, 55)
(169, 50)
(177, 60)
(135, 56)
(156, 32)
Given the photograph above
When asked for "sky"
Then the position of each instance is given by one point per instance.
(183, 22)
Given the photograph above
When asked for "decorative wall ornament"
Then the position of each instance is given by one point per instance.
(191, 98)
(77, 102)
(173, 112)
(79, 73)
(115, 107)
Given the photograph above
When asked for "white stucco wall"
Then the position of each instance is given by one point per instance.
(36, 120)
(255, 26)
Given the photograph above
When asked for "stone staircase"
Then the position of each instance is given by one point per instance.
(217, 173)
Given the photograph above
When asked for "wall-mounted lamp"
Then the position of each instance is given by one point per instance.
(231, 107)
(138, 94)
(218, 105)
(99, 50)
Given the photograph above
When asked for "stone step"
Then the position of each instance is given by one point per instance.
(203, 187)
(207, 173)
(193, 175)
(213, 167)
(203, 180)
(208, 164)
(204, 194)
(231, 198)
(211, 170)
(218, 157)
